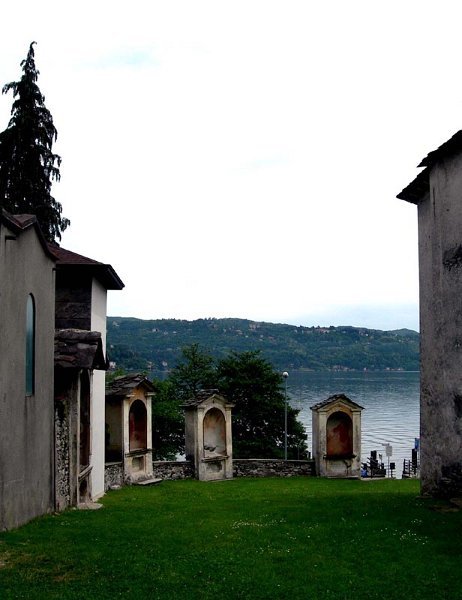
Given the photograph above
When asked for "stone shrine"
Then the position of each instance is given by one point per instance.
(209, 443)
(129, 426)
(337, 437)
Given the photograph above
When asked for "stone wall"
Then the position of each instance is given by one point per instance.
(173, 469)
(451, 480)
(241, 468)
(63, 494)
(254, 467)
(440, 224)
(113, 476)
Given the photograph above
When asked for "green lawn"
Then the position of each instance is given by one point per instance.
(247, 538)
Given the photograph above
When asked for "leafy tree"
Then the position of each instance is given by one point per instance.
(252, 384)
(194, 372)
(255, 387)
(27, 164)
(111, 375)
(167, 422)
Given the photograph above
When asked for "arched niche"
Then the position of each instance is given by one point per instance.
(85, 420)
(30, 345)
(339, 432)
(208, 436)
(137, 421)
(214, 433)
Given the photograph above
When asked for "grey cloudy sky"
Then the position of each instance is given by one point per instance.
(241, 159)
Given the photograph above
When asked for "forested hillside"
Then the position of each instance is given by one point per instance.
(155, 345)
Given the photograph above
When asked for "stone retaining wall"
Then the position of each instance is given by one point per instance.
(166, 469)
(113, 476)
(253, 467)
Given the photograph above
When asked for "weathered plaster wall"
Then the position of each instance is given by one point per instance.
(137, 394)
(98, 434)
(98, 323)
(190, 421)
(137, 463)
(341, 467)
(26, 423)
(98, 309)
(208, 437)
(440, 257)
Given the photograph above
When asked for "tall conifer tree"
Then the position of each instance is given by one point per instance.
(27, 164)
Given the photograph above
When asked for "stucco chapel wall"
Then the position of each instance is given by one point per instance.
(98, 323)
(26, 423)
(440, 257)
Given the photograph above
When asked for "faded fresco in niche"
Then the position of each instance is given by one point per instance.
(214, 433)
(137, 426)
(339, 435)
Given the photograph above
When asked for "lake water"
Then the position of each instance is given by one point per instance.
(390, 400)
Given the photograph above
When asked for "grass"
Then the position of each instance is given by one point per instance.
(297, 538)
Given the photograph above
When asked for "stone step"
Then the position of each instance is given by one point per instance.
(152, 481)
(89, 505)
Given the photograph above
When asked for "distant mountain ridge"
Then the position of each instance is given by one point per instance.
(155, 345)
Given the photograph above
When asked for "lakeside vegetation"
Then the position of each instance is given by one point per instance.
(248, 538)
(155, 345)
(246, 379)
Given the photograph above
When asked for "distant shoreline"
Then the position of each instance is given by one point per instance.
(156, 345)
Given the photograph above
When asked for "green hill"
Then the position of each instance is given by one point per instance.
(155, 345)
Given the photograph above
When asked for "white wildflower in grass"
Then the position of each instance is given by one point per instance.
(239, 524)
(410, 536)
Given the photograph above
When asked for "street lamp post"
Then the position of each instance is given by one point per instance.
(285, 375)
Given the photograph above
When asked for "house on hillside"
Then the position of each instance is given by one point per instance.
(51, 386)
(437, 192)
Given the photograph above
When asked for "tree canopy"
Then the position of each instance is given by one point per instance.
(255, 387)
(27, 164)
(167, 422)
(194, 372)
(244, 378)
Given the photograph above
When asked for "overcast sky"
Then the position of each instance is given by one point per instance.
(242, 159)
